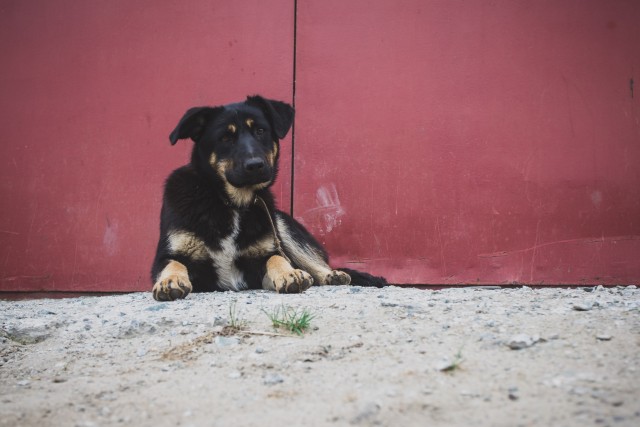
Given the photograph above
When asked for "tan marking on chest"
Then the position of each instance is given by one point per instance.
(188, 244)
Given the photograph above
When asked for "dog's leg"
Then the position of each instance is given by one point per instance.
(319, 269)
(307, 254)
(173, 282)
(283, 278)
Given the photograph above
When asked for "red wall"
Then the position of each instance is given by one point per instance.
(436, 141)
(90, 92)
(472, 141)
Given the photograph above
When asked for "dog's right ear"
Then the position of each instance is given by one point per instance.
(193, 122)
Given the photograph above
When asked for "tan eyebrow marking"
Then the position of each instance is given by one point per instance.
(249, 122)
(232, 128)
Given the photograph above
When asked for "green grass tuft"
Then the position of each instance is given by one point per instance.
(291, 319)
(235, 323)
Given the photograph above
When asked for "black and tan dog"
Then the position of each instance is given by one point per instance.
(219, 229)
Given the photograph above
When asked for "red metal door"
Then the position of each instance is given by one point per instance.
(436, 142)
(471, 141)
(90, 92)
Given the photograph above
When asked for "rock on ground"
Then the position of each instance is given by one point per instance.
(370, 357)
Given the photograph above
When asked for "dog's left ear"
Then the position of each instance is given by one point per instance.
(278, 113)
(192, 124)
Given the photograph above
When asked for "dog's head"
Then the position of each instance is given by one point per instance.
(239, 143)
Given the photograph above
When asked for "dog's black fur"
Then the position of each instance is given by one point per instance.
(215, 232)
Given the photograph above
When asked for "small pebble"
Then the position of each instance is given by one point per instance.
(446, 365)
(273, 379)
(235, 375)
(226, 341)
(157, 307)
(583, 306)
(513, 393)
(219, 321)
(604, 337)
(367, 414)
(520, 341)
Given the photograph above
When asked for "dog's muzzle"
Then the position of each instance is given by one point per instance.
(252, 171)
(254, 166)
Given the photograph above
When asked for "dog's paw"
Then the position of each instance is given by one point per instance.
(293, 282)
(337, 278)
(172, 287)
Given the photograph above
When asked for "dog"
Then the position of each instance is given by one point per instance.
(219, 228)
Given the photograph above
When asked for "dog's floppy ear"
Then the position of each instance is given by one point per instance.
(193, 122)
(279, 113)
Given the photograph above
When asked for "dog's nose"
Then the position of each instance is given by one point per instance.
(254, 164)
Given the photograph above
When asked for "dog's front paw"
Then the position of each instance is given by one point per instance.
(337, 278)
(284, 279)
(293, 282)
(172, 287)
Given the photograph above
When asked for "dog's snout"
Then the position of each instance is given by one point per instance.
(254, 164)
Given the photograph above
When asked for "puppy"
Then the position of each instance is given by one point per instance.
(219, 228)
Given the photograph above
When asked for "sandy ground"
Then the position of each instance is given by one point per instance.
(387, 357)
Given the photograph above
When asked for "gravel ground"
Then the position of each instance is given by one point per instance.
(387, 357)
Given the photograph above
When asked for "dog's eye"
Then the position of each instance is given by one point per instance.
(259, 131)
(227, 137)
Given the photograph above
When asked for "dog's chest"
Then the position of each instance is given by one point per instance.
(224, 259)
(223, 252)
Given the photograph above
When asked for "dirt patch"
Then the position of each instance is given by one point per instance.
(388, 357)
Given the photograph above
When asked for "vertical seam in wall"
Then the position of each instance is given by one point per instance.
(293, 127)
